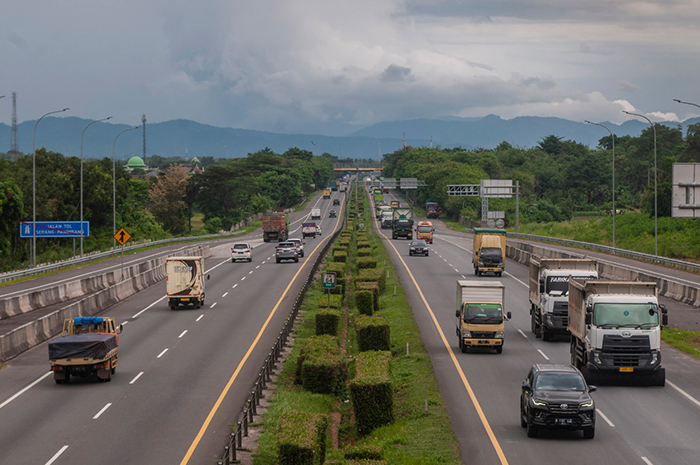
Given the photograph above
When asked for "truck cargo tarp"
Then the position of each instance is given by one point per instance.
(88, 345)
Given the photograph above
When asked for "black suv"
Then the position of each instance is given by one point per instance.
(336, 201)
(557, 397)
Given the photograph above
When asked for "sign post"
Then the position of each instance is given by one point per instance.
(122, 236)
(329, 283)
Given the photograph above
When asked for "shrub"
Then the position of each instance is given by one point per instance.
(373, 274)
(364, 252)
(373, 333)
(338, 289)
(371, 392)
(337, 268)
(343, 242)
(365, 302)
(366, 262)
(366, 452)
(364, 462)
(327, 322)
(302, 438)
(374, 288)
(320, 367)
(340, 256)
(340, 248)
(336, 301)
(363, 243)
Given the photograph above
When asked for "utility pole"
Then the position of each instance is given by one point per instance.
(143, 120)
(14, 145)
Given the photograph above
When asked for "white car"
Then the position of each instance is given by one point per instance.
(299, 244)
(241, 251)
(318, 230)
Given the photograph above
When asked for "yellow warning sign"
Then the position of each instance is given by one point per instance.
(122, 236)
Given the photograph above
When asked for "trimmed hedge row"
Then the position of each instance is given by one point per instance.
(365, 301)
(373, 274)
(327, 321)
(336, 301)
(370, 286)
(302, 438)
(337, 268)
(366, 262)
(320, 367)
(373, 333)
(371, 392)
(364, 252)
(364, 452)
(340, 256)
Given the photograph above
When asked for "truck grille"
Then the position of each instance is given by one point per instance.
(613, 344)
(563, 409)
(483, 335)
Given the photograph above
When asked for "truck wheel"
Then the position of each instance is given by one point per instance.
(589, 433)
(659, 378)
(463, 347)
(278, 260)
(296, 260)
(537, 331)
(546, 335)
(476, 272)
(499, 349)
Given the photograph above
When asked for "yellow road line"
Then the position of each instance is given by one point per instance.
(468, 387)
(235, 374)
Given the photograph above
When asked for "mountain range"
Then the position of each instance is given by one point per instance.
(187, 138)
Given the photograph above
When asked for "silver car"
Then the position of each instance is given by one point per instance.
(300, 245)
(286, 251)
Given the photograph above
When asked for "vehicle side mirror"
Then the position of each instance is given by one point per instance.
(508, 316)
(457, 313)
(592, 388)
(119, 329)
(664, 310)
(588, 318)
(664, 319)
(526, 386)
(207, 277)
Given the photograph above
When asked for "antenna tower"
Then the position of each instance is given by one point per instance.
(143, 120)
(14, 146)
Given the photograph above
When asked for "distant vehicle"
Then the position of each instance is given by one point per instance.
(308, 230)
(395, 204)
(556, 397)
(425, 230)
(489, 251)
(315, 213)
(418, 248)
(318, 230)
(334, 188)
(286, 251)
(331, 214)
(299, 244)
(432, 210)
(326, 193)
(387, 220)
(336, 201)
(402, 223)
(241, 251)
(275, 227)
(185, 281)
(87, 345)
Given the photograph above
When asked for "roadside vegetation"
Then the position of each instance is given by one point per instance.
(687, 341)
(377, 402)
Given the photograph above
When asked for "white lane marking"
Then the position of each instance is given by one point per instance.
(213, 305)
(182, 334)
(200, 317)
(250, 272)
(449, 264)
(456, 270)
(647, 461)
(543, 354)
(263, 262)
(41, 378)
(162, 353)
(136, 378)
(691, 398)
(464, 277)
(516, 279)
(607, 420)
(58, 454)
(255, 267)
(216, 266)
(242, 278)
(234, 286)
(225, 294)
(102, 411)
(124, 322)
(135, 316)
(523, 334)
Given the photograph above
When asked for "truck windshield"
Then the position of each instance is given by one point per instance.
(403, 224)
(558, 283)
(424, 229)
(625, 315)
(491, 253)
(483, 313)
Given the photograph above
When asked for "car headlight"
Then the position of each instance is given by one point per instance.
(466, 333)
(596, 358)
(500, 335)
(654, 357)
(588, 404)
(539, 403)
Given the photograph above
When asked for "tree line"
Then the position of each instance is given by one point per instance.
(149, 207)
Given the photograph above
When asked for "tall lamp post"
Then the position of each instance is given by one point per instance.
(33, 258)
(656, 197)
(613, 177)
(686, 103)
(114, 185)
(82, 235)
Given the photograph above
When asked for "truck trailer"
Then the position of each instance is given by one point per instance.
(275, 228)
(480, 316)
(549, 292)
(402, 222)
(185, 281)
(616, 330)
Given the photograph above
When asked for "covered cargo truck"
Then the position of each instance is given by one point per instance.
(616, 330)
(489, 251)
(549, 292)
(185, 281)
(480, 314)
(275, 228)
(87, 346)
(432, 210)
(402, 222)
(308, 230)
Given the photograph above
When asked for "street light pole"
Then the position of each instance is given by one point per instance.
(656, 197)
(613, 177)
(686, 103)
(33, 254)
(114, 186)
(81, 179)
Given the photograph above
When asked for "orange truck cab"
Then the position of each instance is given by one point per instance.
(425, 230)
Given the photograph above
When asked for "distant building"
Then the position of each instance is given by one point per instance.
(194, 166)
(136, 163)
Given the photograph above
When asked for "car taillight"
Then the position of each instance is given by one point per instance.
(293, 248)
(277, 250)
(247, 250)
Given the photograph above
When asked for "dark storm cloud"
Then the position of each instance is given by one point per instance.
(395, 73)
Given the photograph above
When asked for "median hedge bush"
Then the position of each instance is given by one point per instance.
(336, 301)
(364, 462)
(363, 452)
(373, 333)
(337, 268)
(370, 286)
(302, 438)
(366, 262)
(340, 257)
(373, 274)
(363, 243)
(365, 302)
(320, 367)
(364, 252)
(327, 322)
(371, 392)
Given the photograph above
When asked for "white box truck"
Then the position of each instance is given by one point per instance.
(549, 292)
(315, 213)
(185, 281)
(616, 330)
(480, 316)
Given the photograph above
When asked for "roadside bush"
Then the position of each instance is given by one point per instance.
(373, 274)
(343, 242)
(340, 248)
(336, 301)
(364, 462)
(327, 322)
(337, 268)
(371, 392)
(374, 288)
(363, 243)
(373, 333)
(338, 289)
(366, 262)
(364, 252)
(320, 367)
(364, 453)
(365, 302)
(302, 438)
(340, 256)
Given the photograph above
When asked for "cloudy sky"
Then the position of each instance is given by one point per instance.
(332, 66)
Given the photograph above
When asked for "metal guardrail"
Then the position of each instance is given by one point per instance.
(12, 275)
(668, 262)
(246, 416)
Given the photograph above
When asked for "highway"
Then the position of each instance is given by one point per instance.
(635, 425)
(182, 375)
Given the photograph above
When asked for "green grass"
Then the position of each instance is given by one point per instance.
(685, 340)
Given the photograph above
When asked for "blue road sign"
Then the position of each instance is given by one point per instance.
(53, 229)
